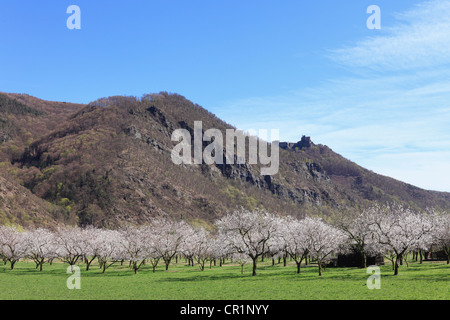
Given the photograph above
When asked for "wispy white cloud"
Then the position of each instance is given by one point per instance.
(390, 113)
(428, 170)
(420, 39)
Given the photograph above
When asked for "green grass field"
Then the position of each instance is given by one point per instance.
(430, 280)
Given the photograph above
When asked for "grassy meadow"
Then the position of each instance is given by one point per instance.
(430, 280)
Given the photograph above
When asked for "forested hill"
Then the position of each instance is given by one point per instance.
(110, 162)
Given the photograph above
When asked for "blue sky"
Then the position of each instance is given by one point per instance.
(379, 97)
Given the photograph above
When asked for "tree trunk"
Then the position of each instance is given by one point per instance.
(254, 266)
(364, 259)
(396, 266)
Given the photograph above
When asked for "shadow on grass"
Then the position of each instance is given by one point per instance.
(62, 272)
(264, 273)
(415, 272)
(310, 273)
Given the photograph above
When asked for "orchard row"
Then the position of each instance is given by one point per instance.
(243, 236)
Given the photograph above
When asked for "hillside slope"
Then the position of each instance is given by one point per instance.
(110, 162)
(23, 119)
